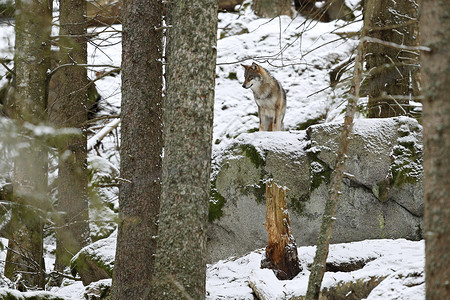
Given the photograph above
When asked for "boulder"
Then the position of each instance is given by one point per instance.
(95, 261)
(381, 194)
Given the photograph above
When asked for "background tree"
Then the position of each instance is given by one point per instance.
(324, 11)
(318, 267)
(32, 53)
(271, 8)
(68, 108)
(434, 28)
(188, 120)
(141, 148)
(393, 72)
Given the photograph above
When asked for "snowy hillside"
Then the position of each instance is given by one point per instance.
(300, 54)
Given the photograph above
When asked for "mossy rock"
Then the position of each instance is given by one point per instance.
(216, 203)
(96, 261)
(10, 294)
(99, 290)
(351, 290)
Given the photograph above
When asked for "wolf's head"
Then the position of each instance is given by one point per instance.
(252, 76)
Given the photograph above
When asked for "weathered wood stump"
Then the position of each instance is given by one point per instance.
(281, 251)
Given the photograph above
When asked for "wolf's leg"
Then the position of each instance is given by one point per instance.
(261, 121)
(268, 123)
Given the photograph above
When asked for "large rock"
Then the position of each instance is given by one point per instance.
(382, 194)
(95, 261)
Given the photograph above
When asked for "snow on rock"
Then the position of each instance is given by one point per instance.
(96, 261)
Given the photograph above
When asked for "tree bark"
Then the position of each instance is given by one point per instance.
(188, 119)
(434, 28)
(281, 251)
(69, 109)
(318, 267)
(32, 53)
(141, 149)
(393, 72)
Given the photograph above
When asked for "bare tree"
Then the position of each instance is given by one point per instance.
(141, 148)
(188, 120)
(323, 242)
(68, 108)
(434, 22)
(32, 53)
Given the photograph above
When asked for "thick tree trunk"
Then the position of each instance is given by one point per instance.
(393, 72)
(318, 267)
(141, 149)
(281, 251)
(69, 109)
(181, 257)
(32, 52)
(434, 28)
(271, 8)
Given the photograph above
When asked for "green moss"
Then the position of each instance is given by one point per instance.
(298, 205)
(407, 165)
(381, 190)
(8, 296)
(419, 232)
(256, 129)
(304, 125)
(259, 191)
(253, 154)
(352, 290)
(232, 76)
(81, 263)
(243, 31)
(319, 172)
(381, 223)
(216, 203)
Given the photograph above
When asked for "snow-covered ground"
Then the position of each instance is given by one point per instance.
(300, 54)
(400, 261)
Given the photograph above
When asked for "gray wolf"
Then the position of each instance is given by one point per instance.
(269, 95)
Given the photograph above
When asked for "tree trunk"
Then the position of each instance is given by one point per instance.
(434, 28)
(141, 149)
(393, 72)
(318, 267)
(32, 52)
(271, 8)
(281, 251)
(69, 109)
(189, 106)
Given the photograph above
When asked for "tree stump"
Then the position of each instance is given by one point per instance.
(281, 251)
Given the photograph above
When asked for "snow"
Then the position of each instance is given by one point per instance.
(299, 53)
(401, 261)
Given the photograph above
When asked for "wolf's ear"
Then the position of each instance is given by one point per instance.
(246, 67)
(255, 66)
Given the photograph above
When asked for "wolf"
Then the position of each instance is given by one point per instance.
(270, 97)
